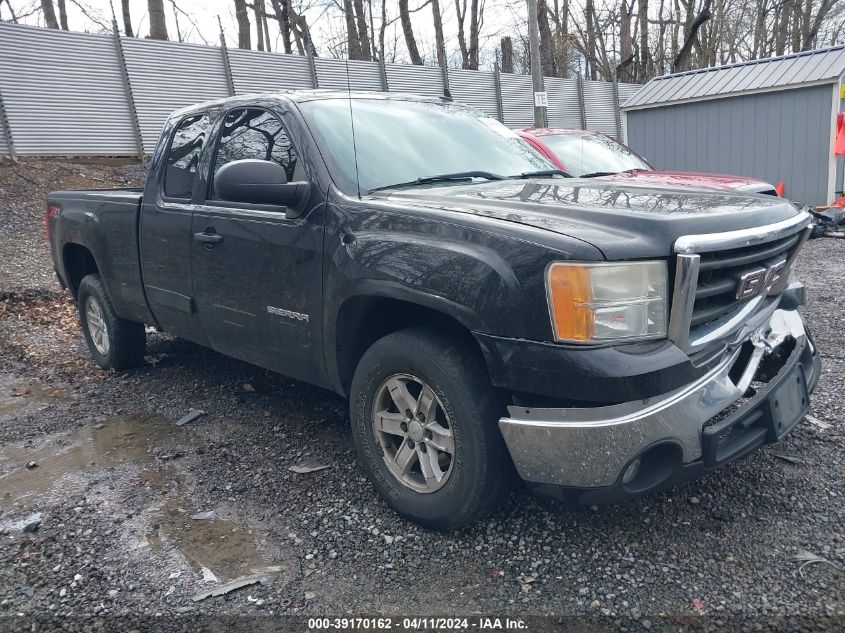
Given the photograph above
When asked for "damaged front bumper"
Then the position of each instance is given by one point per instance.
(755, 395)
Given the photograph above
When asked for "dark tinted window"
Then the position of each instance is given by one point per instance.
(255, 133)
(184, 156)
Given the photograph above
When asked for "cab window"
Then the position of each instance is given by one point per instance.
(184, 156)
(258, 134)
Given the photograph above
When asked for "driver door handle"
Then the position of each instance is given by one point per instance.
(208, 237)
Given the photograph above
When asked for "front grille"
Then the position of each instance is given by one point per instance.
(719, 275)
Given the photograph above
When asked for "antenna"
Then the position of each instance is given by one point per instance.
(352, 123)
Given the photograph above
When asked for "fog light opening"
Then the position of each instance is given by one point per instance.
(652, 467)
(631, 471)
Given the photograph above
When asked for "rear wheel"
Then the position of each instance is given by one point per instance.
(115, 343)
(424, 422)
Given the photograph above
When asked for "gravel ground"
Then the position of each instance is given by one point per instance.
(102, 525)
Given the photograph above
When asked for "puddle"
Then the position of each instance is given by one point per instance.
(227, 549)
(65, 460)
(22, 397)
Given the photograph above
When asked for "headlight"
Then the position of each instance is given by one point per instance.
(607, 301)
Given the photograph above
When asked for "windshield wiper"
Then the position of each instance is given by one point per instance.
(457, 176)
(543, 172)
(597, 174)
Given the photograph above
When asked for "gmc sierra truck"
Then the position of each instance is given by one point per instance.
(483, 313)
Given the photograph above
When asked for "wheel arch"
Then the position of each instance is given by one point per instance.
(363, 319)
(78, 261)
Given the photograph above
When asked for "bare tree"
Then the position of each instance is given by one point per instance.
(243, 24)
(507, 54)
(127, 19)
(439, 40)
(62, 14)
(469, 50)
(704, 15)
(49, 14)
(283, 18)
(363, 35)
(353, 41)
(158, 25)
(408, 32)
(258, 9)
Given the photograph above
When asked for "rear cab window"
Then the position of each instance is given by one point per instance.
(184, 155)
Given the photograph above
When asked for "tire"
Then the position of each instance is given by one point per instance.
(115, 343)
(475, 477)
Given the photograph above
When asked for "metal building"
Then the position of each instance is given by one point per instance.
(773, 119)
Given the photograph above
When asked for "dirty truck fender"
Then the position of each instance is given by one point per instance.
(388, 267)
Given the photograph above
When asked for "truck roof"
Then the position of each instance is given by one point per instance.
(300, 96)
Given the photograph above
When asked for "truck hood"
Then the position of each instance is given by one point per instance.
(676, 179)
(630, 222)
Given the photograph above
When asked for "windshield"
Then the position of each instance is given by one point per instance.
(592, 153)
(401, 141)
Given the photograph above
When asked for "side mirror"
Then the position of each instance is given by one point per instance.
(253, 181)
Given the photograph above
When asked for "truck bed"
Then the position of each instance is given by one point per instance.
(105, 221)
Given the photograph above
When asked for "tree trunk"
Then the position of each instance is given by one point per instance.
(507, 54)
(158, 26)
(283, 18)
(563, 36)
(62, 15)
(626, 43)
(547, 45)
(408, 32)
(363, 34)
(592, 60)
(439, 40)
(49, 14)
(127, 19)
(258, 8)
(474, 30)
(681, 60)
(243, 24)
(353, 42)
(460, 12)
(645, 56)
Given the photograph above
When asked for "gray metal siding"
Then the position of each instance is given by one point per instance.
(331, 73)
(64, 92)
(564, 106)
(475, 88)
(774, 136)
(517, 100)
(599, 106)
(166, 76)
(257, 71)
(419, 80)
(42, 80)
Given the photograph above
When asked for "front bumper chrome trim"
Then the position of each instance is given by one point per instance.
(590, 447)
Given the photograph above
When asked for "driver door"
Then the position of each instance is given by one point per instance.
(257, 282)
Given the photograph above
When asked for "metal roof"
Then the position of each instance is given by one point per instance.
(761, 75)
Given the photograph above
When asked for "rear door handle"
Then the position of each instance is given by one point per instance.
(208, 237)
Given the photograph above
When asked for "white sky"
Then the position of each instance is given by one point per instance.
(500, 18)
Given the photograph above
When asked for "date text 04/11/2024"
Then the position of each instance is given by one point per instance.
(418, 624)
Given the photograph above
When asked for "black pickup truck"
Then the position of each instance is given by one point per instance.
(483, 313)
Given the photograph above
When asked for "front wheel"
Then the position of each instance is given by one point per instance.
(115, 343)
(423, 418)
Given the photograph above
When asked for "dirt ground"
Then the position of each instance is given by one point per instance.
(98, 487)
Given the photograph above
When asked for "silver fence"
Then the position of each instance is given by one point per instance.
(64, 93)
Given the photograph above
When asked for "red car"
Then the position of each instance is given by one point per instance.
(585, 154)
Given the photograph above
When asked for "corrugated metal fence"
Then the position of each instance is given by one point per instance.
(64, 93)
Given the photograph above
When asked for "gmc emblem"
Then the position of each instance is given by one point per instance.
(759, 280)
